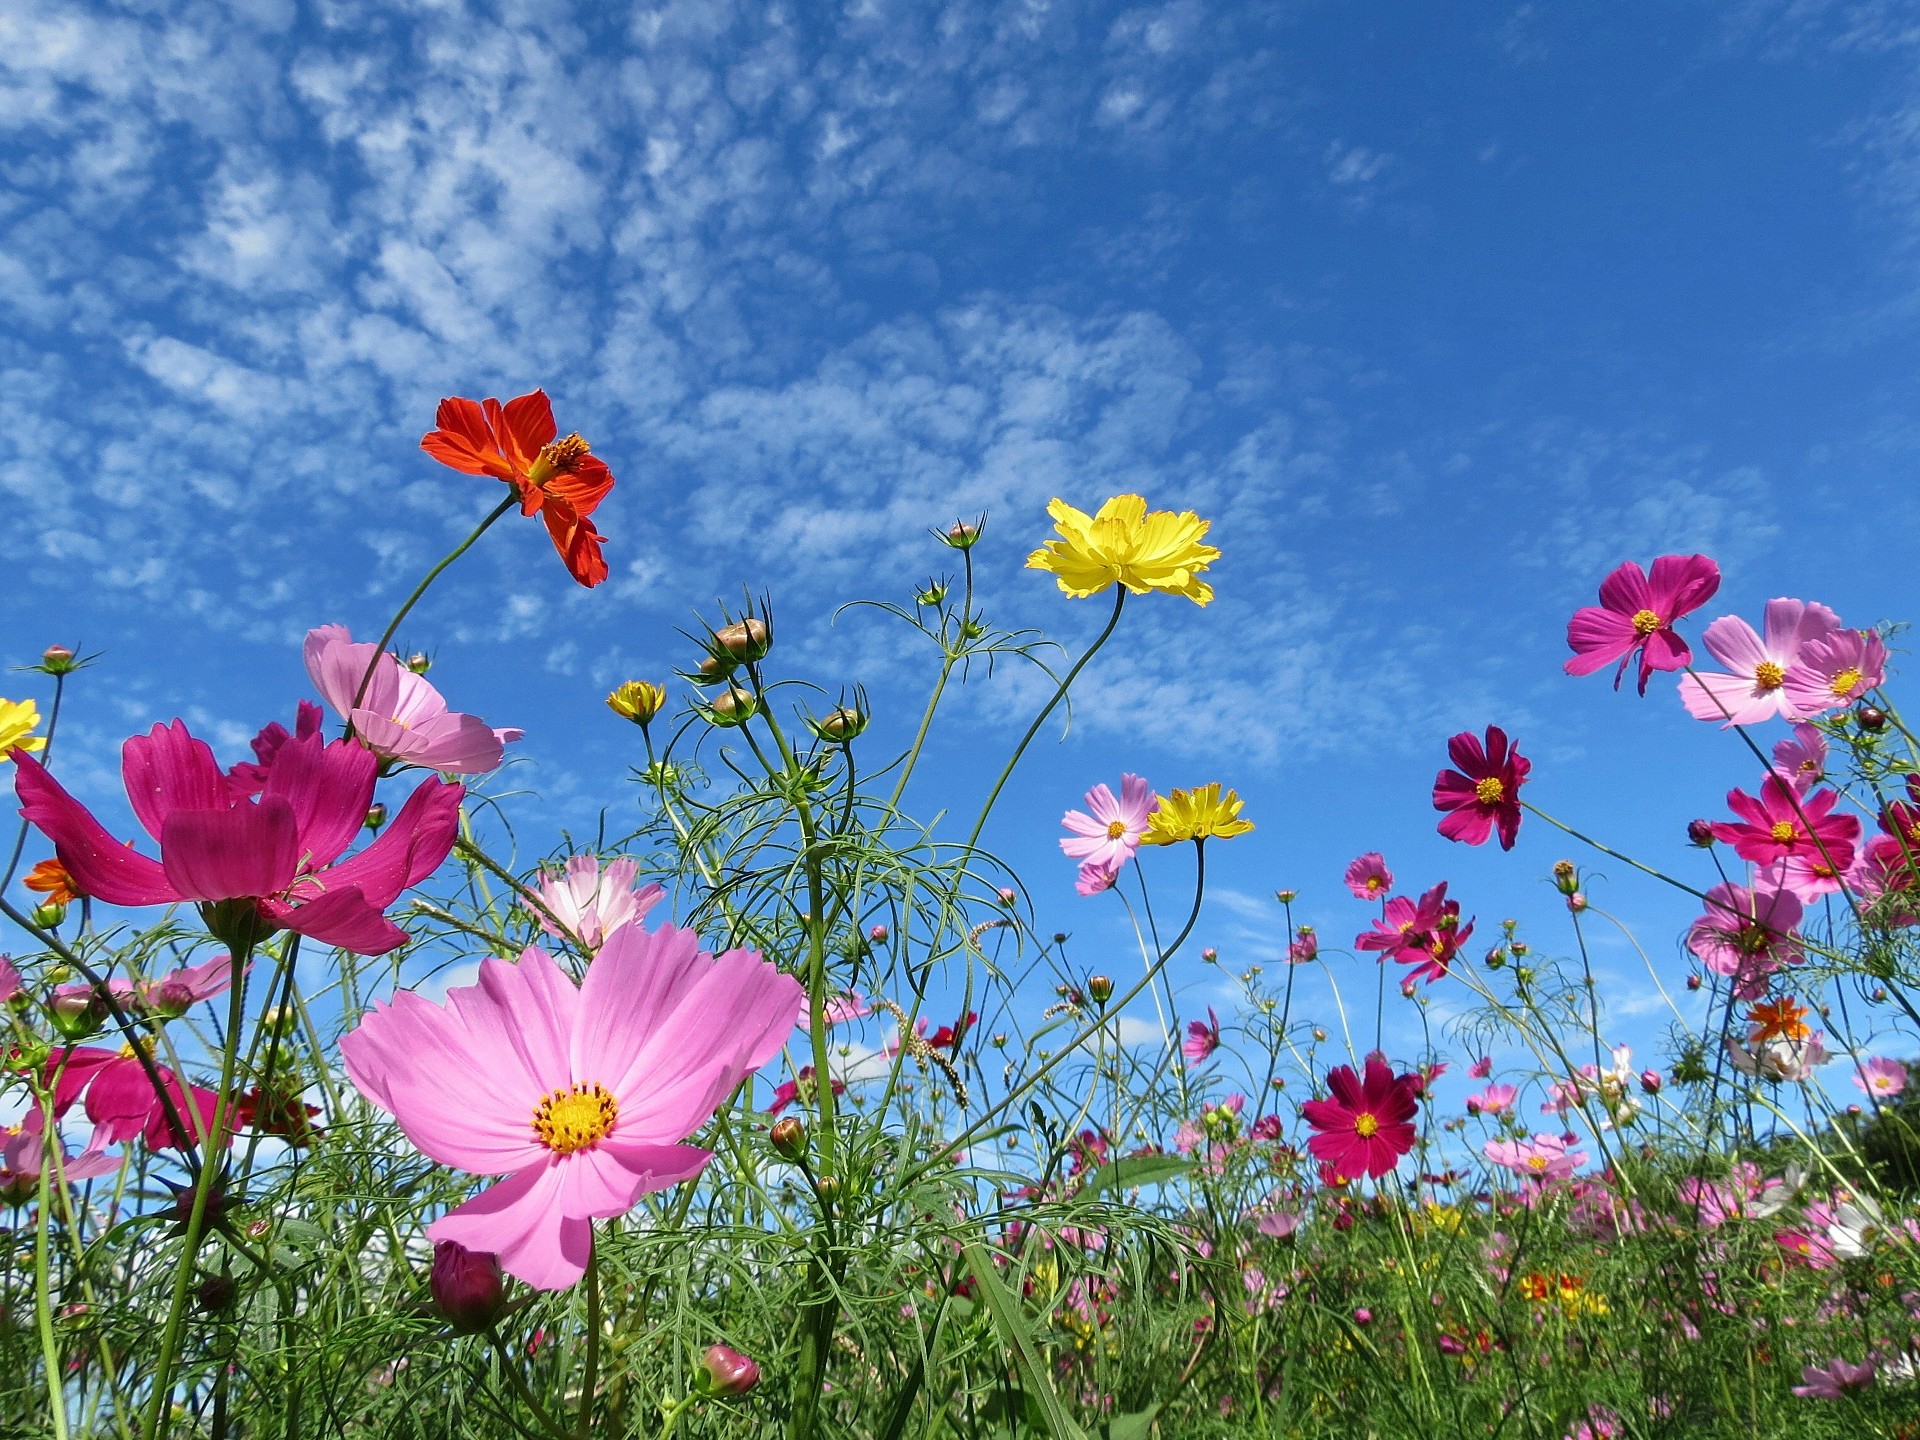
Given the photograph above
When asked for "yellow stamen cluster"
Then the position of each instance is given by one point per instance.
(1846, 682)
(1366, 1126)
(1645, 622)
(1489, 791)
(1768, 675)
(1783, 831)
(574, 1118)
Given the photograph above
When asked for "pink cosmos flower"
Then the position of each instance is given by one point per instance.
(179, 991)
(1636, 614)
(1104, 841)
(1425, 934)
(1747, 934)
(1780, 826)
(1481, 1068)
(592, 903)
(1368, 877)
(1881, 1077)
(1809, 1249)
(1304, 946)
(1801, 759)
(1203, 1037)
(1541, 1159)
(1278, 1224)
(9, 979)
(800, 1088)
(1494, 1100)
(1885, 866)
(1780, 1058)
(1838, 1380)
(281, 852)
(1094, 877)
(121, 1101)
(400, 716)
(27, 1150)
(1366, 1126)
(1483, 792)
(838, 1010)
(1754, 690)
(1836, 670)
(579, 1095)
(249, 778)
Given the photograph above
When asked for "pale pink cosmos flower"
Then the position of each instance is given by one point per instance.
(1835, 670)
(179, 991)
(1880, 1076)
(1541, 1159)
(1636, 614)
(1095, 878)
(838, 1010)
(1494, 1100)
(1277, 1224)
(399, 716)
(1106, 839)
(1754, 689)
(579, 1095)
(1780, 1058)
(1748, 934)
(1836, 1381)
(1368, 877)
(592, 903)
(1801, 759)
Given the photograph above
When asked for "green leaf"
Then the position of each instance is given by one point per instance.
(1132, 1170)
(1011, 1326)
(1137, 1426)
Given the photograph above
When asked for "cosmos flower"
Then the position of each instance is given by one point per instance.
(1782, 1059)
(27, 1151)
(1636, 614)
(581, 1096)
(1366, 1125)
(395, 713)
(1199, 814)
(1542, 1159)
(1779, 825)
(1203, 1037)
(1482, 793)
(1494, 1100)
(1425, 934)
(1881, 1077)
(1104, 837)
(50, 878)
(1835, 1381)
(561, 481)
(1801, 758)
(18, 720)
(1747, 934)
(1754, 690)
(1835, 670)
(1124, 543)
(1368, 877)
(120, 1098)
(591, 903)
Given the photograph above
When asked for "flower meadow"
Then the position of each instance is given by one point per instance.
(340, 1105)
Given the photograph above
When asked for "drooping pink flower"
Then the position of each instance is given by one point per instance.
(592, 903)
(1093, 878)
(1542, 1159)
(1754, 689)
(1779, 825)
(1203, 1037)
(580, 1095)
(1801, 758)
(180, 990)
(1481, 1068)
(1105, 839)
(399, 715)
(281, 852)
(1304, 946)
(1835, 1381)
(1482, 793)
(1880, 1076)
(1494, 1100)
(27, 1151)
(1635, 616)
(1836, 670)
(1885, 866)
(1425, 934)
(1368, 877)
(9, 979)
(800, 1088)
(1747, 934)
(121, 1101)
(1366, 1125)
(838, 1010)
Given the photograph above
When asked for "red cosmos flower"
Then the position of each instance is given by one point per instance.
(1636, 614)
(1779, 825)
(1483, 791)
(800, 1088)
(557, 479)
(1366, 1127)
(1426, 934)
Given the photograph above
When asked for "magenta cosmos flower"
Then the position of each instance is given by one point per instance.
(281, 852)
(1104, 840)
(1747, 934)
(1754, 687)
(1835, 670)
(399, 716)
(1635, 617)
(579, 1095)
(1367, 1126)
(1811, 846)
(121, 1101)
(1425, 934)
(1203, 1037)
(1482, 792)
(1368, 877)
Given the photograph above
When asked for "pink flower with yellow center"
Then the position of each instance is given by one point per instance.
(1781, 825)
(1368, 877)
(1104, 840)
(580, 1095)
(1542, 1159)
(1635, 616)
(1366, 1125)
(1482, 793)
(1881, 1077)
(1835, 670)
(1754, 689)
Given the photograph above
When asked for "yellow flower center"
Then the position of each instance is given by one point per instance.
(1366, 1127)
(1115, 829)
(1536, 1162)
(1374, 885)
(572, 1119)
(1767, 675)
(1489, 791)
(1645, 622)
(559, 457)
(1783, 831)
(1845, 682)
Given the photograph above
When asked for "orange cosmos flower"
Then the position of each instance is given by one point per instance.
(557, 479)
(50, 878)
(1778, 1020)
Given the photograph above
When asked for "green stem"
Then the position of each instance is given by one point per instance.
(43, 1301)
(583, 1424)
(510, 1365)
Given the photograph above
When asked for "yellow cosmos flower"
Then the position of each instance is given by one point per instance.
(637, 700)
(1128, 544)
(1197, 814)
(18, 719)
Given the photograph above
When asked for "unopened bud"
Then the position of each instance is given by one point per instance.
(962, 534)
(1518, 947)
(935, 593)
(1650, 1081)
(1319, 1035)
(467, 1285)
(1565, 878)
(878, 934)
(637, 700)
(1496, 957)
(48, 916)
(76, 1011)
(215, 1294)
(725, 1372)
(839, 726)
(1362, 1316)
(712, 670)
(1285, 897)
(1059, 937)
(1879, 995)
(747, 639)
(1693, 982)
(788, 1137)
(1870, 717)
(376, 817)
(419, 662)
(1576, 902)
(732, 706)
(58, 660)
(281, 1020)
(1100, 987)
(1210, 955)
(1700, 832)
(1008, 894)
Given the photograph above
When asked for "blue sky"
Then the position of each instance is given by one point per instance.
(1438, 313)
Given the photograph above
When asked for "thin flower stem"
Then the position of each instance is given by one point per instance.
(583, 1425)
(42, 1299)
(510, 1366)
(1606, 850)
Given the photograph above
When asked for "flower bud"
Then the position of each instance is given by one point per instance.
(1518, 947)
(1210, 955)
(1008, 894)
(281, 1020)
(837, 727)
(712, 670)
(732, 706)
(1700, 832)
(1362, 1316)
(1870, 718)
(1496, 957)
(1565, 878)
(76, 1011)
(637, 700)
(215, 1294)
(962, 534)
(1100, 987)
(1650, 1081)
(58, 660)
(1576, 902)
(1879, 995)
(725, 1372)
(48, 916)
(878, 934)
(788, 1137)
(747, 639)
(376, 817)
(1319, 1035)
(934, 594)
(1693, 982)
(419, 662)
(467, 1286)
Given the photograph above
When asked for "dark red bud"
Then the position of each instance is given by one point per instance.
(468, 1286)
